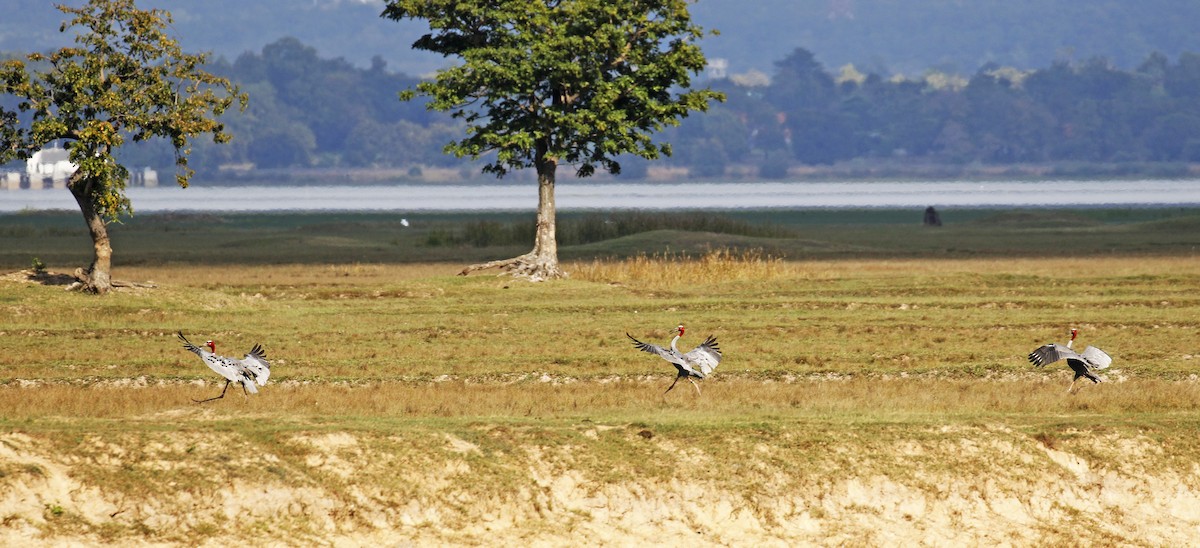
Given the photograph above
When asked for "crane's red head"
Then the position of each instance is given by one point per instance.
(212, 346)
(680, 328)
(1074, 332)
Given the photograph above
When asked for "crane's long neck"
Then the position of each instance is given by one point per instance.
(1072, 341)
(674, 348)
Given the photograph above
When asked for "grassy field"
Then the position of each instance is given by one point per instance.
(874, 388)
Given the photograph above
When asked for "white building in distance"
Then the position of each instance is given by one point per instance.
(52, 167)
(53, 162)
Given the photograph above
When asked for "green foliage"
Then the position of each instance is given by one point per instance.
(1095, 103)
(125, 79)
(311, 111)
(1088, 111)
(576, 81)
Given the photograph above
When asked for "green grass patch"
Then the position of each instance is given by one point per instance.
(58, 238)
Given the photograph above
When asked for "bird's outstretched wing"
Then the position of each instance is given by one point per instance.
(705, 357)
(653, 349)
(1050, 353)
(256, 363)
(1096, 358)
(189, 346)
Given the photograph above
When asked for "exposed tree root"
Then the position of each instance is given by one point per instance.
(530, 266)
(84, 282)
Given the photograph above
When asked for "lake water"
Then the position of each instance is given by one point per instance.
(581, 196)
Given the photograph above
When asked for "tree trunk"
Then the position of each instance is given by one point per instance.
(545, 240)
(97, 277)
(541, 263)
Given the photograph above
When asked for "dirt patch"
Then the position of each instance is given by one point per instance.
(43, 277)
(425, 489)
(68, 281)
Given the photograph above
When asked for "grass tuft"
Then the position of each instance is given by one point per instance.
(670, 269)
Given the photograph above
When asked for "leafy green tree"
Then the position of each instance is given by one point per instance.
(1168, 138)
(1183, 79)
(801, 82)
(708, 159)
(1006, 124)
(289, 144)
(545, 82)
(124, 79)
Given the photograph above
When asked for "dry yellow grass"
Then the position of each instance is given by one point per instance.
(907, 398)
(860, 402)
(670, 270)
(968, 318)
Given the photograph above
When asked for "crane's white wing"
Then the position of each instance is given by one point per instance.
(224, 367)
(1096, 358)
(256, 363)
(704, 358)
(1050, 353)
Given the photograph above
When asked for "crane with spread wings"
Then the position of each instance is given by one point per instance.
(698, 363)
(248, 371)
(1084, 364)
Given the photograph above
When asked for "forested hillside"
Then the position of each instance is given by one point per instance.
(1069, 112)
(883, 36)
(309, 111)
(910, 36)
(313, 108)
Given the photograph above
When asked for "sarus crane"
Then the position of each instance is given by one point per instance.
(1084, 364)
(696, 364)
(247, 371)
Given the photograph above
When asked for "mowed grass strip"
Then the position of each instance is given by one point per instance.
(732, 400)
(774, 319)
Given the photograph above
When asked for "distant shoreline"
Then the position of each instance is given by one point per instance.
(855, 171)
(730, 194)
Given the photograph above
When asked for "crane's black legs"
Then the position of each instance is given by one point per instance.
(217, 397)
(683, 377)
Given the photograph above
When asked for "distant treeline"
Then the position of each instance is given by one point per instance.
(1068, 112)
(311, 112)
